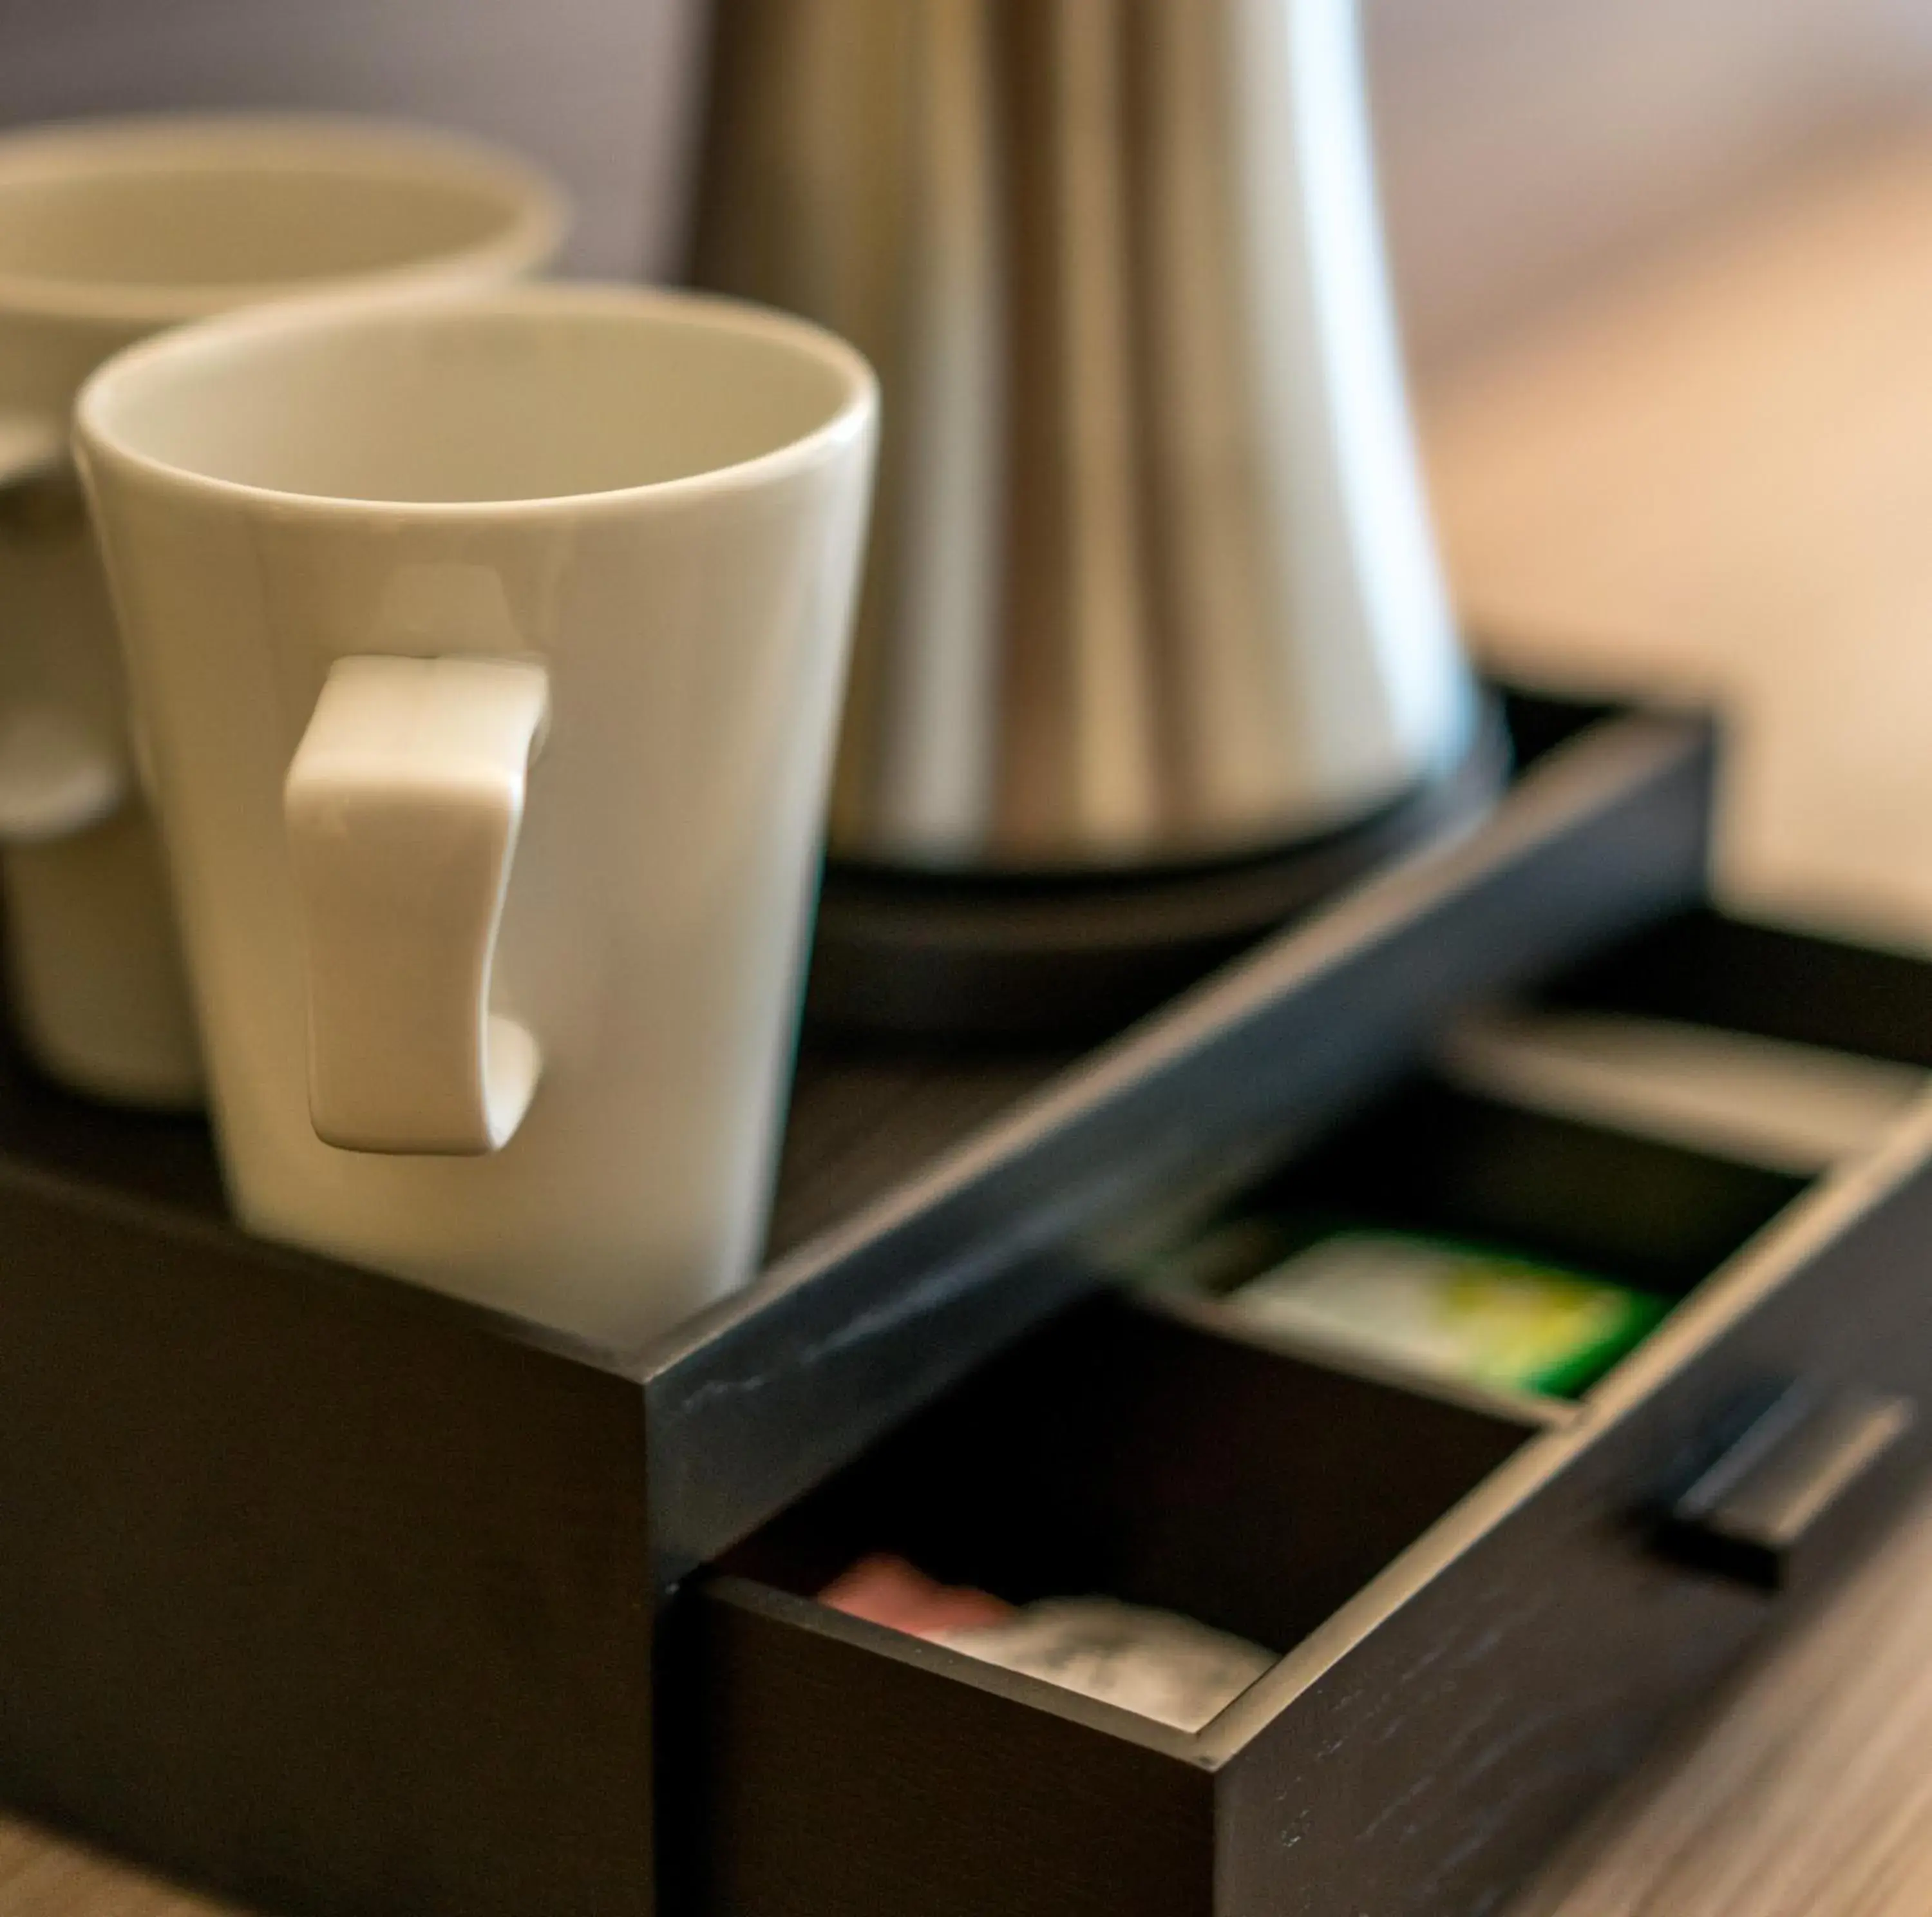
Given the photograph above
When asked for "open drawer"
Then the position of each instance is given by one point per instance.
(1478, 1603)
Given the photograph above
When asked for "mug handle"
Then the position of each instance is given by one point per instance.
(403, 806)
(57, 780)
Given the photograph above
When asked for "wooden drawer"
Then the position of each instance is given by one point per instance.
(1486, 1603)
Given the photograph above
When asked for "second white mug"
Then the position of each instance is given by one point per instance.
(110, 230)
(489, 653)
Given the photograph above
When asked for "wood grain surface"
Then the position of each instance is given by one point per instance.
(1729, 452)
(859, 1124)
(1803, 1789)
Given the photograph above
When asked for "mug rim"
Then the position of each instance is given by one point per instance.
(849, 421)
(535, 211)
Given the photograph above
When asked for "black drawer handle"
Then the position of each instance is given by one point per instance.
(1790, 1493)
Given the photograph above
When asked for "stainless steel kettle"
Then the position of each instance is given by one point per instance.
(1153, 579)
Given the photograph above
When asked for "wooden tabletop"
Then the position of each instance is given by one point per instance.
(1714, 478)
(1713, 481)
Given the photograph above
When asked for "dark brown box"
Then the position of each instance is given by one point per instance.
(346, 1599)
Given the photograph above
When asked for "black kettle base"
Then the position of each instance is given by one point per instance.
(1032, 959)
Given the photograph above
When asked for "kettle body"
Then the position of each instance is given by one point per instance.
(1153, 581)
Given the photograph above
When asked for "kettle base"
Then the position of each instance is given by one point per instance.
(970, 957)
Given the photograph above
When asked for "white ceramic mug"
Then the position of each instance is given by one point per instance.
(488, 654)
(110, 230)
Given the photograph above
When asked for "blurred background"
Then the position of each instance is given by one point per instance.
(1528, 144)
(1525, 143)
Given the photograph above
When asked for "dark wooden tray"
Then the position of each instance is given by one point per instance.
(346, 1598)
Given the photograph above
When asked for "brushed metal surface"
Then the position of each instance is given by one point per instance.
(1153, 577)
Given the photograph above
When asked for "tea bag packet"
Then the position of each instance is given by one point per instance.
(886, 1590)
(1162, 1665)
(1452, 1310)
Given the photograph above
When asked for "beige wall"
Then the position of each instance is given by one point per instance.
(1525, 140)
(597, 89)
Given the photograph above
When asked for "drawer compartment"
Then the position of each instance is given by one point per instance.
(1705, 968)
(1796, 1050)
(1480, 1603)
(1118, 1453)
(1435, 1159)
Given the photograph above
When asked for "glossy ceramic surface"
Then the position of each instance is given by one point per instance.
(362, 558)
